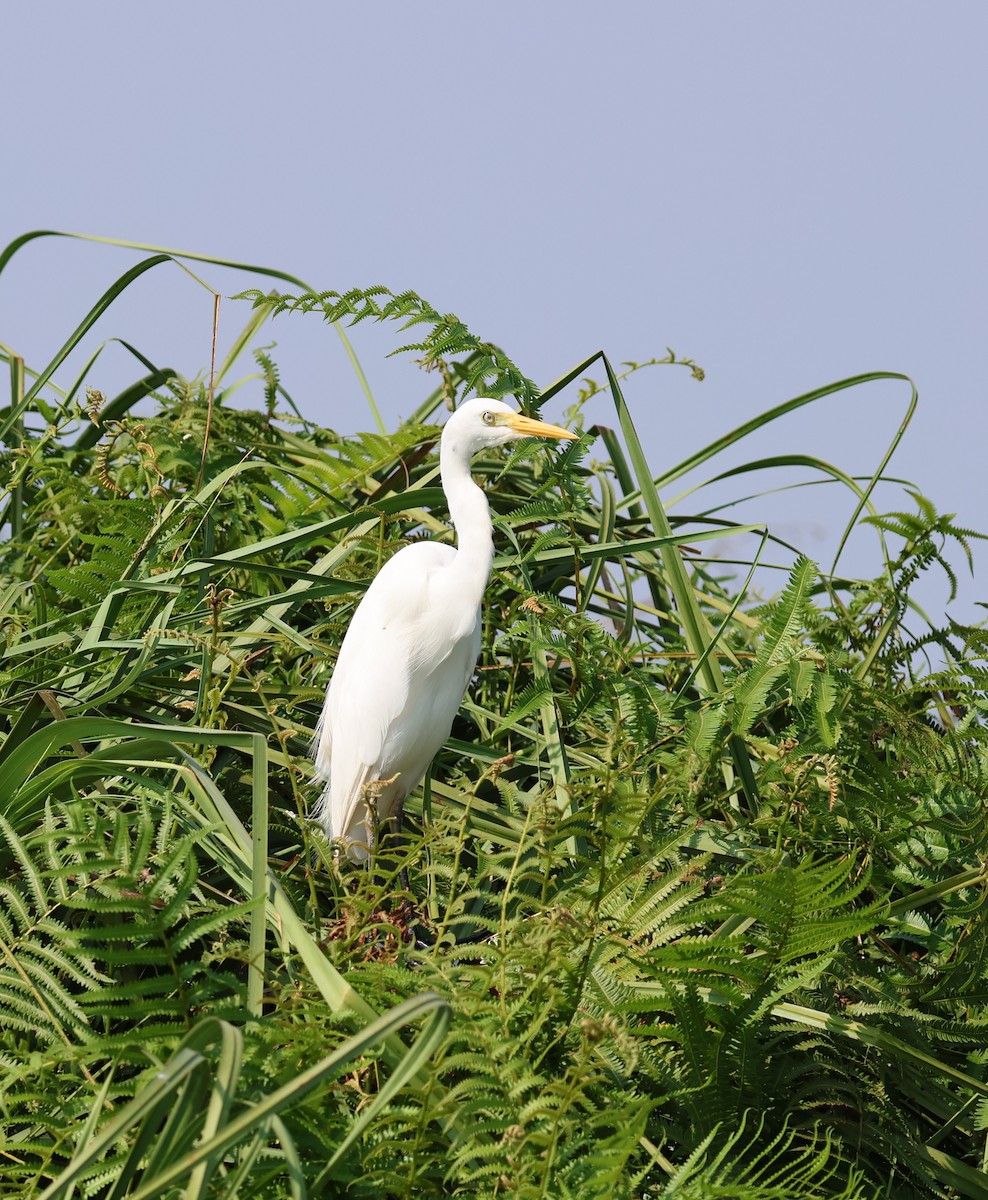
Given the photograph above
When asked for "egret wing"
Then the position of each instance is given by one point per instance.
(399, 679)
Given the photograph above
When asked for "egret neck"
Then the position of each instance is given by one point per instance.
(471, 517)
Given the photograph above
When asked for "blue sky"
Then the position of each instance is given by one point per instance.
(788, 193)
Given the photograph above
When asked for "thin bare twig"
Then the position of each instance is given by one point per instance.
(212, 387)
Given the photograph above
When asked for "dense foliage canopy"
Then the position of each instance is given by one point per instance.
(696, 886)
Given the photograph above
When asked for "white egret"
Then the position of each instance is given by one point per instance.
(412, 645)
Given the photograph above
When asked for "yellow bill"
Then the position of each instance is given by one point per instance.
(529, 427)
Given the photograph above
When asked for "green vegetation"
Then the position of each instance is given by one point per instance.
(697, 909)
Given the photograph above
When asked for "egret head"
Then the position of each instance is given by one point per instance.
(480, 423)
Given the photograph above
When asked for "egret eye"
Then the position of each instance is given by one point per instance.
(488, 418)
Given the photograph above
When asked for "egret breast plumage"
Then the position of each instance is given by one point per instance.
(412, 645)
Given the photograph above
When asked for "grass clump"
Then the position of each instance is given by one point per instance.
(696, 885)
